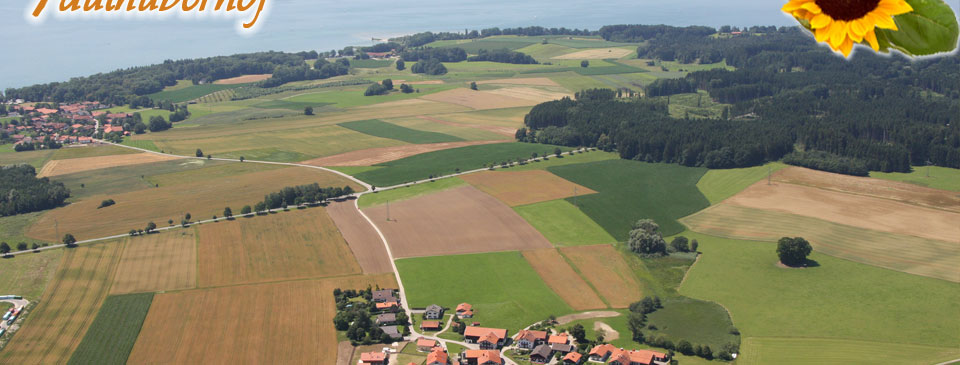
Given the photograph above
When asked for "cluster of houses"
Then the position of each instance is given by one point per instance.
(70, 123)
(387, 305)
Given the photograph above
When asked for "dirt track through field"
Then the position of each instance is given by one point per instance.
(63, 167)
(361, 237)
(524, 187)
(878, 188)
(373, 156)
(454, 221)
(560, 277)
(853, 210)
(157, 262)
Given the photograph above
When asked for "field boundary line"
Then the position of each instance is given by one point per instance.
(580, 274)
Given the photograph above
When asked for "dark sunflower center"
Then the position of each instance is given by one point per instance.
(847, 9)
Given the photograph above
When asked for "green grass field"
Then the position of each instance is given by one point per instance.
(112, 334)
(191, 92)
(785, 350)
(142, 143)
(439, 163)
(12, 228)
(353, 96)
(838, 299)
(378, 128)
(943, 178)
(563, 224)
(697, 321)
(473, 46)
(502, 287)
(370, 63)
(290, 105)
(718, 185)
(579, 158)
(67, 153)
(122, 179)
(33, 158)
(630, 190)
(409, 192)
(27, 274)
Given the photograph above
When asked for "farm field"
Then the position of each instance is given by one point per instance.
(27, 275)
(877, 188)
(116, 327)
(560, 277)
(55, 327)
(563, 224)
(157, 262)
(717, 185)
(375, 156)
(245, 79)
(943, 178)
(13, 228)
(180, 95)
(501, 132)
(409, 192)
(510, 118)
(524, 187)
(446, 162)
(605, 269)
(32, 158)
(289, 245)
(203, 199)
(596, 54)
(925, 257)
(74, 165)
(378, 128)
(785, 350)
(299, 327)
(854, 210)
(363, 240)
(697, 321)
(825, 301)
(451, 280)
(630, 190)
(353, 96)
(578, 158)
(122, 179)
(462, 131)
(494, 99)
(81, 151)
(530, 81)
(454, 221)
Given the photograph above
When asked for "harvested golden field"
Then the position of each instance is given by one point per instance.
(373, 156)
(421, 82)
(534, 81)
(202, 199)
(363, 240)
(63, 167)
(595, 54)
(478, 99)
(288, 322)
(905, 253)
(524, 187)
(69, 304)
(886, 189)
(454, 221)
(533, 95)
(290, 245)
(245, 79)
(560, 277)
(503, 131)
(853, 210)
(607, 271)
(157, 262)
(509, 118)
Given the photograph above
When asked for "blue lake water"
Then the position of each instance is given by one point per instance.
(58, 49)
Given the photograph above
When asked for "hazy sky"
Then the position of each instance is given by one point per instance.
(61, 48)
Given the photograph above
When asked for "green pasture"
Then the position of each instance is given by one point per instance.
(111, 336)
(936, 177)
(563, 224)
(378, 128)
(408, 192)
(191, 92)
(718, 185)
(27, 274)
(370, 63)
(794, 350)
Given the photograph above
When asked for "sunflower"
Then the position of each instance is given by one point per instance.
(841, 23)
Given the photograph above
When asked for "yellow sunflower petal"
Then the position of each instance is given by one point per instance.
(811, 7)
(858, 27)
(820, 21)
(822, 34)
(871, 38)
(838, 33)
(793, 5)
(846, 47)
(895, 7)
(884, 22)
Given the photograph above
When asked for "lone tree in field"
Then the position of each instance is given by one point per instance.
(645, 239)
(227, 212)
(694, 245)
(400, 65)
(199, 153)
(187, 216)
(473, 85)
(584, 63)
(679, 244)
(152, 226)
(793, 251)
(4, 248)
(308, 110)
(69, 240)
(387, 83)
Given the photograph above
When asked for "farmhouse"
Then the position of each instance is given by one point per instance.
(433, 312)
(465, 310)
(560, 339)
(384, 295)
(392, 332)
(387, 307)
(373, 358)
(563, 348)
(573, 358)
(426, 345)
(430, 326)
(386, 319)
(438, 356)
(487, 338)
(541, 354)
(481, 357)
(527, 339)
(617, 356)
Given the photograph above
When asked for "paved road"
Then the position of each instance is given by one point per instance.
(369, 190)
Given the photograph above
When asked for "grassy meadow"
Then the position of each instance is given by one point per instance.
(409, 192)
(27, 275)
(936, 177)
(717, 185)
(378, 128)
(563, 224)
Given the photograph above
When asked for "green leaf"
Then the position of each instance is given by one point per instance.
(930, 28)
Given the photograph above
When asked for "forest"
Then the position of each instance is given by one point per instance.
(503, 56)
(870, 113)
(22, 192)
(421, 39)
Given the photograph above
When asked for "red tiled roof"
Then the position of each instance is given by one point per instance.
(372, 356)
(424, 342)
(573, 356)
(482, 332)
(464, 307)
(601, 350)
(484, 356)
(437, 355)
(530, 335)
(430, 324)
(559, 339)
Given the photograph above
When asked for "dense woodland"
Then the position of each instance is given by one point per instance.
(503, 56)
(420, 39)
(22, 192)
(881, 113)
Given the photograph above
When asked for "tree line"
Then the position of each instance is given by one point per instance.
(503, 56)
(420, 39)
(22, 192)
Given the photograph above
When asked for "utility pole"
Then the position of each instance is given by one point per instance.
(388, 210)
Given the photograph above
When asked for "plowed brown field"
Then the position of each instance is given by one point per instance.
(560, 277)
(607, 271)
(362, 238)
(524, 187)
